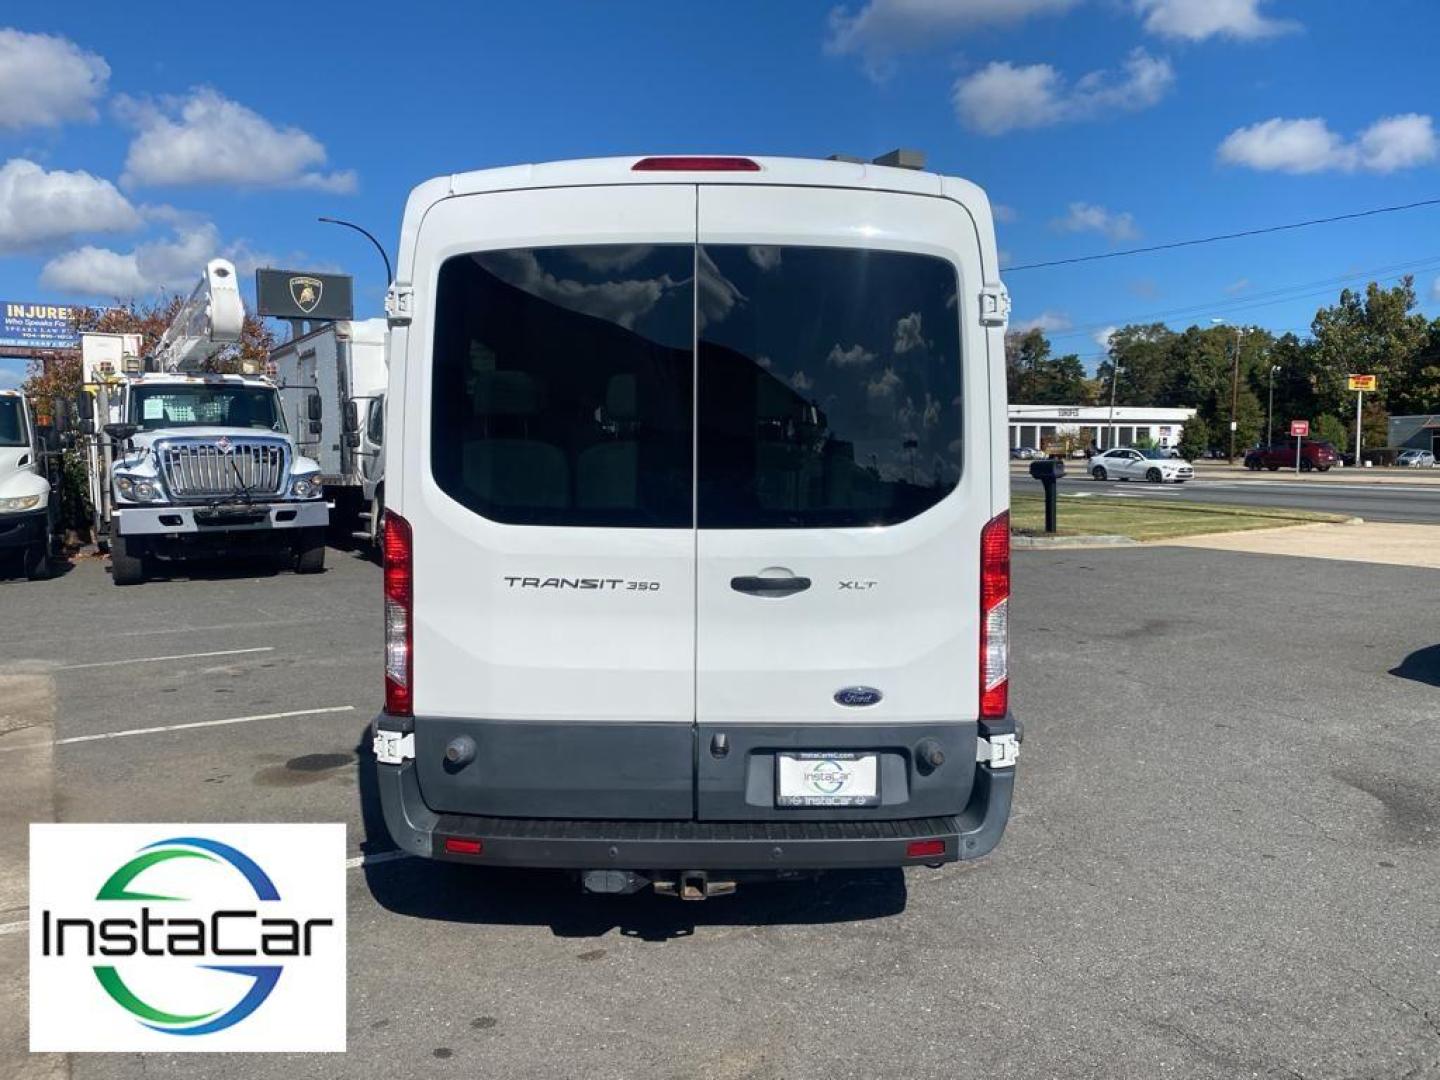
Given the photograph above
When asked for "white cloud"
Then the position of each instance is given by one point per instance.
(1050, 322)
(909, 334)
(855, 356)
(46, 80)
(1239, 285)
(1102, 336)
(880, 29)
(1309, 146)
(1435, 290)
(153, 267)
(1002, 97)
(1196, 20)
(1087, 217)
(1002, 213)
(208, 139)
(884, 385)
(802, 382)
(39, 206)
(764, 256)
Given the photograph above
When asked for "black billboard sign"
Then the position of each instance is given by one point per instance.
(301, 294)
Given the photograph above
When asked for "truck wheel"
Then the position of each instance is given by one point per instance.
(310, 552)
(127, 564)
(37, 561)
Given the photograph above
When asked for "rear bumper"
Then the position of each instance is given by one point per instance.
(200, 520)
(773, 844)
(23, 530)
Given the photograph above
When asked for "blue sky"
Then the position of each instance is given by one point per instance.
(127, 159)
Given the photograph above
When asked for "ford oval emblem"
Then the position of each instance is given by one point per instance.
(854, 696)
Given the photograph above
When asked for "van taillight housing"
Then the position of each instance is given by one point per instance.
(995, 618)
(695, 164)
(399, 616)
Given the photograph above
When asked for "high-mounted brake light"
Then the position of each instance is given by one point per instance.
(695, 164)
(399, 617)
(995, 618)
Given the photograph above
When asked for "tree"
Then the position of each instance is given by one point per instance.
(1331, 429)
(1373, 334)
(1194, 438)
(1033, 377)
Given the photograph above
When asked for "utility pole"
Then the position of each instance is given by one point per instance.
(1270, 412)
(1234, 388)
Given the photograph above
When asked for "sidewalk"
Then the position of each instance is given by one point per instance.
(1219, 470)
(1372, 542)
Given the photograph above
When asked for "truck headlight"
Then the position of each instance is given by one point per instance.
(307, 487)
(20, 502)
(137, 488)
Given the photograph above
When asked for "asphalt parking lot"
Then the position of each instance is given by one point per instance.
(1223, 860)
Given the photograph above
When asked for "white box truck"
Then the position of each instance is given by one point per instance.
(697, 549)
(338, 374)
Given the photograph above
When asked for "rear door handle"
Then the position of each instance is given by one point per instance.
(770, 586)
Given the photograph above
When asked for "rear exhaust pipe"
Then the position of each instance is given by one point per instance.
(695, 885)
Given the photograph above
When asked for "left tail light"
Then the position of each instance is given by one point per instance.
(399, 616)
(995, 618)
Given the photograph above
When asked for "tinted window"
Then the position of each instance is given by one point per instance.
(563, 385)
(12, 427)
(829, 386)
(376, 432)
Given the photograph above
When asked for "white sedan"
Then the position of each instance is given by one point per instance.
(1154, 465)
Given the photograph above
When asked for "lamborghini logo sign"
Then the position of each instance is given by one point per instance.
(306, 292)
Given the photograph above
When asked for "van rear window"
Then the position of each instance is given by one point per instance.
(562, 386)
(565, 385)
(829, 386)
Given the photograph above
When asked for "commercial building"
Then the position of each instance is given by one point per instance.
(1039, 426)
(1415, 432)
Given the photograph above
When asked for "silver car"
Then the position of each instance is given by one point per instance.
(1416, 459)
(1156, 466)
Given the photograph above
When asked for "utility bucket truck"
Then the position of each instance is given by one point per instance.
(338, 372)
(27, 502)
(188, 462)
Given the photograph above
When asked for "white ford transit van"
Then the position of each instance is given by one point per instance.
(697, 539)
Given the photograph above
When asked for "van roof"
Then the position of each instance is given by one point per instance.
(782, 171)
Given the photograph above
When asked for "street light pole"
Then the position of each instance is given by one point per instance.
(1115, 370)
(389, 275)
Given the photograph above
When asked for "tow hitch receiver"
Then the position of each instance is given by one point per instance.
(695, 885)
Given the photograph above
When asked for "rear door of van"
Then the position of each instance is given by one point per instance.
(844, 477)
(552, 505)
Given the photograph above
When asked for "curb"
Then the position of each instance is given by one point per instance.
(1044, 543)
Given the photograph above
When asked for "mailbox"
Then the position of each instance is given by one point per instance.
(1047, 472)
(1047, 469)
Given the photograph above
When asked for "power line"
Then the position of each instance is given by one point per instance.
(1280, 295)
(1223, 236)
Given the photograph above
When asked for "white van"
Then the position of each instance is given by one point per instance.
(697, 539)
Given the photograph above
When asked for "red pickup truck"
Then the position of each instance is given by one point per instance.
(1313, 455)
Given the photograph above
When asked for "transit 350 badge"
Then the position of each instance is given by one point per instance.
(187, 938)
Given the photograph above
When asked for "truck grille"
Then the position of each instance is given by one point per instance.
(215, 468)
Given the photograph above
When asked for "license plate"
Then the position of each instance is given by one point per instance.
(827, 779)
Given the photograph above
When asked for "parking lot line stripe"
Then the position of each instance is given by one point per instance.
(375, 859)
(158, 659)
(186, 727)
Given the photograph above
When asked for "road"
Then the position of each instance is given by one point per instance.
(1222, 860)
(1417, 504)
